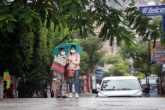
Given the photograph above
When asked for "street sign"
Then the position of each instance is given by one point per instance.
(153, 10)
(158, 10)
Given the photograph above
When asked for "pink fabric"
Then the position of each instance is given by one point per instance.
(74, 64)
(57, 68)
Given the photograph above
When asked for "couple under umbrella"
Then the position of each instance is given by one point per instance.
(65, 69)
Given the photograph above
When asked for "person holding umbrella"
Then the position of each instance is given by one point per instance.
(73, 61)
(73, 67)
(59, 85)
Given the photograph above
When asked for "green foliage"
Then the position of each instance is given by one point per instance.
(84, 62)
(139, 53)
(78, 41)
(119, 67)
(6, 22)
(119, 70)
(26, 46)
(91, 58)
(156, 69)
(111, 59)
(140, 75)
(134, 50)
(26, 16)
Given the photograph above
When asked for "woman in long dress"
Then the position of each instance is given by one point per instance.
(59, 85)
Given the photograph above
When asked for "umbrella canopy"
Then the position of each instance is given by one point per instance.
(66, 47)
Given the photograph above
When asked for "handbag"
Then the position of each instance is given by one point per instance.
(71, 73)
(58, 65)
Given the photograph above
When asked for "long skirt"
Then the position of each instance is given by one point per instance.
(54, 87)
(61, 86)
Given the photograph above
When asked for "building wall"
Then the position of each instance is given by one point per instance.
(163, 2)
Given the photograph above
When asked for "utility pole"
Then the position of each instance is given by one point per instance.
(149, 61)
(149, 68)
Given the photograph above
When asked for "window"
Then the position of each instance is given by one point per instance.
(128, 84)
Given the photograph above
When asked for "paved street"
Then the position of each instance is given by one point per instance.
(83, 103)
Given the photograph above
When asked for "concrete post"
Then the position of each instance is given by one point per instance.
(1, 89)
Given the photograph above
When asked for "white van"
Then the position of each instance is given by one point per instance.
(120, 86)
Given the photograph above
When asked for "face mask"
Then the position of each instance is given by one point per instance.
(73, 51)
(62, 53)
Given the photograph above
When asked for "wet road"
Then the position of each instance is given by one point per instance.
(83, 103)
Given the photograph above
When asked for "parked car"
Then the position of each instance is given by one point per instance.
(120, 86)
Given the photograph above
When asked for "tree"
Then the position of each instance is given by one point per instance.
(119, 66)
(139, 53)
(26, 45)
(111, 59)
(140, 75)
(120, 69)
(30, 29)
(91, 57)
(84, 62)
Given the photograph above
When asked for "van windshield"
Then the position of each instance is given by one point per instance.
(128, 84)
